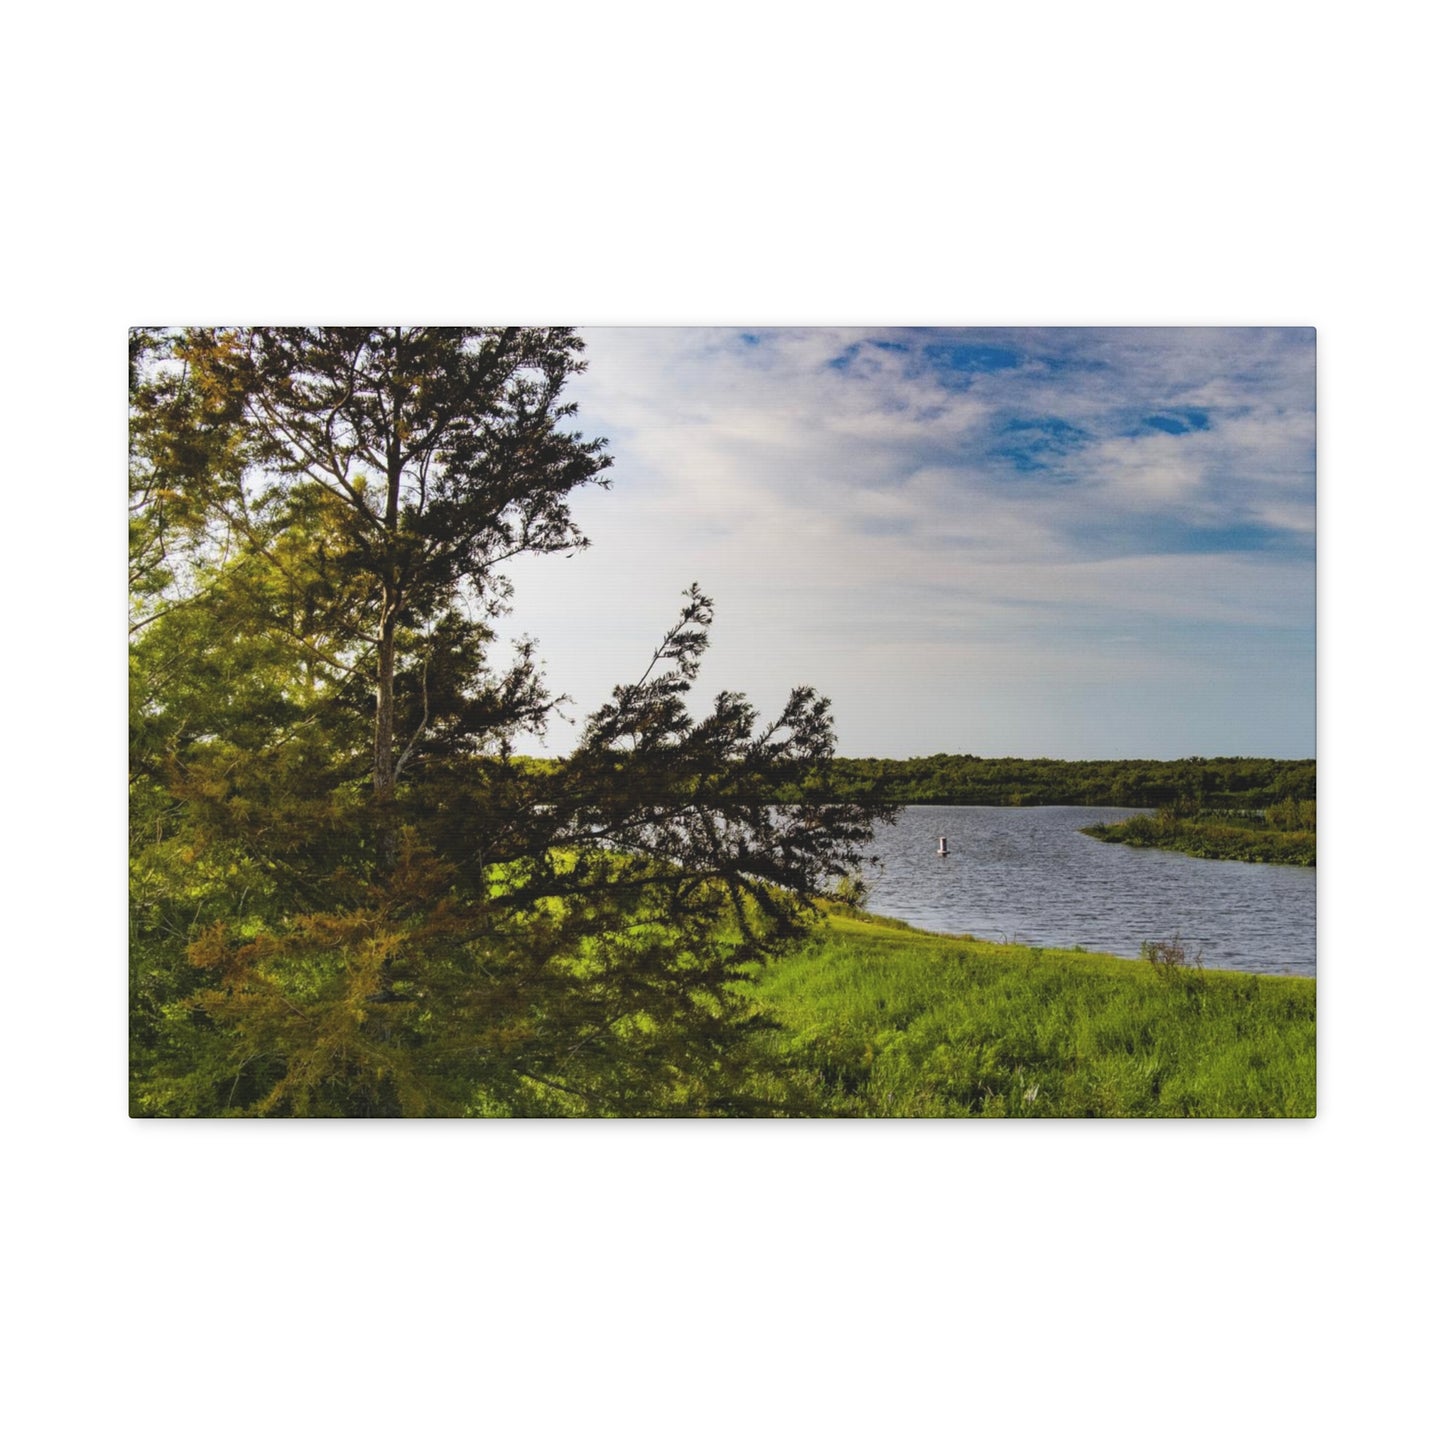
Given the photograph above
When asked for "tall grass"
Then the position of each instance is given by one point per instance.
(882, 1021)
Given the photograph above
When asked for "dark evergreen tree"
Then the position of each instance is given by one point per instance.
(351, 897)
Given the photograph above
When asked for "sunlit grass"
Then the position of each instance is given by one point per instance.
(881, 1021)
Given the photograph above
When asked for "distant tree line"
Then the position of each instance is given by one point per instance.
(1251, 784)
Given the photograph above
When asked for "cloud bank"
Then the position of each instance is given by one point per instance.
(1072, 542)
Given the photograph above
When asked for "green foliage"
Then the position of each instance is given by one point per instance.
(386, 473)
(1293, 815)
(348, 899)
(1231, 783)
(881, 1022)
(186, 450)
(567, 940)
(1243, 837)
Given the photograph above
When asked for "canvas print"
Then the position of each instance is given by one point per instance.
(722, 722)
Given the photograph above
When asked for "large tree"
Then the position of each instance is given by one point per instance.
(416, 921)
(430, 454)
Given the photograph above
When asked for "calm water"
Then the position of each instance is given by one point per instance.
(1028, 874)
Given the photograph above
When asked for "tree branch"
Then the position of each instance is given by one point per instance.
(421, 727)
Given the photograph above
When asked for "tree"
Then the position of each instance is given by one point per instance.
(428, 924)
(432, 454)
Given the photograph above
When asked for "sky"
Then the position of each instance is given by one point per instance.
(1068, 543)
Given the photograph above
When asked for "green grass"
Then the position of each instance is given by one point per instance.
(878, 1020)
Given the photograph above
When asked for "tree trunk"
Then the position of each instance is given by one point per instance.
(383, 776)
(383, 773)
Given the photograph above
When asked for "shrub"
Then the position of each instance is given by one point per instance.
(1170, 957)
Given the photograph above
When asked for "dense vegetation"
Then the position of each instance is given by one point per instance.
(960, 779)
(346, 899)
(876, 1020)
(1281, 833)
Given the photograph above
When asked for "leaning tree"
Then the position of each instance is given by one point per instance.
(428, 923)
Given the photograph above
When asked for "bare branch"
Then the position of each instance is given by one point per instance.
(421, 727)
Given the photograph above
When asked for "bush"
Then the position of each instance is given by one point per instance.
(1170, 957)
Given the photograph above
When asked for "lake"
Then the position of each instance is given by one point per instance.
(1028, 875)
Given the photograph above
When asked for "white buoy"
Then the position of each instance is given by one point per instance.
(943, 847)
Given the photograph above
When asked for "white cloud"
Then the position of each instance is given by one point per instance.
(851, 515)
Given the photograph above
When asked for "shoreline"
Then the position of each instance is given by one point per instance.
(889, 926)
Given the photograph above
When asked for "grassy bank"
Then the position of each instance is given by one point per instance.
(1282, 835)
(878, 1020)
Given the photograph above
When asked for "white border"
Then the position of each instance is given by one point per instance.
(1108, 164)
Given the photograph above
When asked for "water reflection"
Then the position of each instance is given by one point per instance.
(1029, 875)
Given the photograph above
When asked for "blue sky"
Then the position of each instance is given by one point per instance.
(1042, 542)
